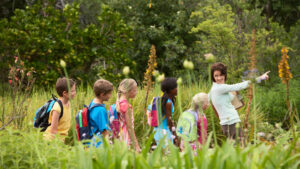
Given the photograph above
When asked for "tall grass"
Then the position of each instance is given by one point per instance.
(20, 149)
(26, 148)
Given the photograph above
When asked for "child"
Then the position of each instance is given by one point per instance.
(61, 125)
(192, 124)
(166, 128)
(98, 115)
(127, 89)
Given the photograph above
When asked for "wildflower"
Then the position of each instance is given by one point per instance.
(160, 78)
(283, 67)
(62, 63)
(179, 81)
(185, 63)
(9, 81)
(209, 57)
(173, 128)
(278, 125)
(188, 65)
(155, 73)
(126, 70)
(191, 65)
(16, 59)
(28, 73)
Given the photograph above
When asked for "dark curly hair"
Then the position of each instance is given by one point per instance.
(218, 67)
(167, 85)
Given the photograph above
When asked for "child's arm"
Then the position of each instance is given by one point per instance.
(130, 130)
(54, 123)
(170, 121)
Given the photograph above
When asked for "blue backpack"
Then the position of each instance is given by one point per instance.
(41, 118)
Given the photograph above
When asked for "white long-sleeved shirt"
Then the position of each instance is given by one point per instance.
(221, 99)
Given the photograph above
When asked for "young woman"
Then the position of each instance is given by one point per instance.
(221, 98)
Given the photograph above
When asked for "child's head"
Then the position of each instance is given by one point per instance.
(103, 89)
(127, 87)
(62, 87)
(169, 86)
(200, 100)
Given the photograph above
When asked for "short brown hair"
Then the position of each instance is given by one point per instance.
(102, 86)
(62, 85)
(218, 67)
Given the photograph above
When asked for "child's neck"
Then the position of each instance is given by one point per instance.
(64, 100)
(98, 100)
(123, 97)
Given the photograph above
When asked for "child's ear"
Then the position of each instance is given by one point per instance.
(65, 93)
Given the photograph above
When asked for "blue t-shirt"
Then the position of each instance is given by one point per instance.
(98, 120)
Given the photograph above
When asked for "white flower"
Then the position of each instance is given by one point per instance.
(191, 66)
(155, 73)
(126, 70)
(129, 7)
(152, 26)
(209, 57)
(179, 81)
(188, 65)
(277, 125)
(172, 137)
(62, 63)
(261, 134)
(185, 64)
(160, 78)
(173, 128)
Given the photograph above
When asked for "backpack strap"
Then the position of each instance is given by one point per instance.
(61, 108)
(96, 105)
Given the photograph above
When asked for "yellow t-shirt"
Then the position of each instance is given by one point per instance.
(64, 122)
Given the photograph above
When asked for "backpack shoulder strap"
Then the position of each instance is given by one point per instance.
(61, 108)
(96, 105)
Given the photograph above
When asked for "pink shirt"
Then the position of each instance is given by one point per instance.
(124, 106)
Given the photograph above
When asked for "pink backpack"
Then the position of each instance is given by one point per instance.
(152, 112)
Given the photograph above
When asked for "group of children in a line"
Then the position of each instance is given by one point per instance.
(192, 123)
(99, 121)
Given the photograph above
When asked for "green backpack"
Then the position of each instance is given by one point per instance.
(187, 126)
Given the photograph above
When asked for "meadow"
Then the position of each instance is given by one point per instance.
(22, 145)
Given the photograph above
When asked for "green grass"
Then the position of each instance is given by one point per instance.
(26, 148)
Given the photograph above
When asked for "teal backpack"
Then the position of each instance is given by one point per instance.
(187, 126)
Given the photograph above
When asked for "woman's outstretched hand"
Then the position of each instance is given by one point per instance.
(264, 76)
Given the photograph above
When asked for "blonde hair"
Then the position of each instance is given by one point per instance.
(124, 88)
(198, 101)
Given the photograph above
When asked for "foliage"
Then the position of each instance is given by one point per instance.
(42, 35)
(19, 89)
(28, 150)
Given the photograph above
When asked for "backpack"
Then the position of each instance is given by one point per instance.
(114, 120)
(83, 127)
(187, 126)
(41, 118)
(152, 112)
